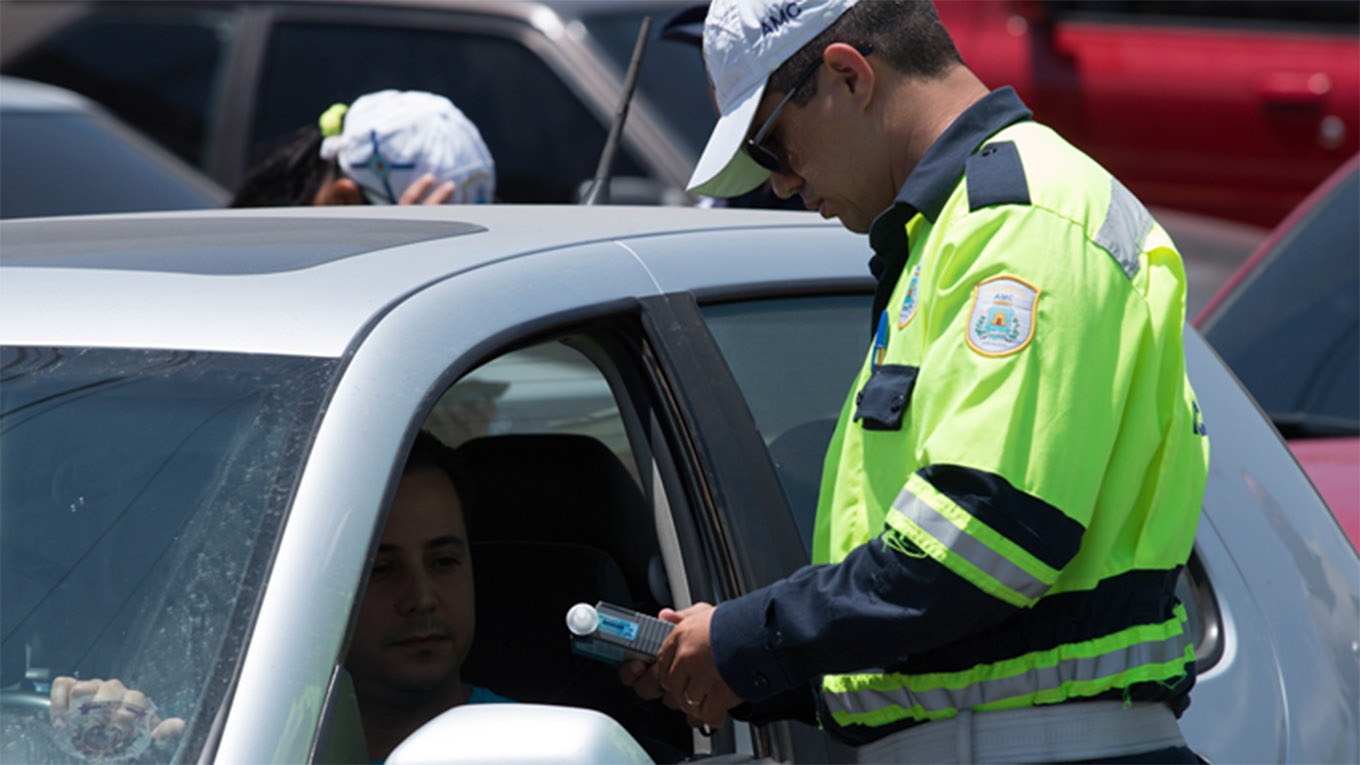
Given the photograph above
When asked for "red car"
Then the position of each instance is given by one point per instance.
(1288, 325)
(1230, 109)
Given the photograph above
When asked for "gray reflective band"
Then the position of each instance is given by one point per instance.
(962, 544)
(1036, 680)
(1126, 225)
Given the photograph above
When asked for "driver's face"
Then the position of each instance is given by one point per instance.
(416, 622)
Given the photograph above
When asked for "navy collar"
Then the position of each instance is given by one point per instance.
(933, 180)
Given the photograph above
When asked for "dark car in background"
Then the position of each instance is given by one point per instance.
(1226, 108)
(62, 154)
(1288, 325)
(217, 82)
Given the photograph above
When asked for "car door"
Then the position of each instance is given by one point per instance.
(1256, 95)
(392, 380)
(541, 355)
(570, 357)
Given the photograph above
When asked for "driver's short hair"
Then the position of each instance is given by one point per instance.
(429, 451)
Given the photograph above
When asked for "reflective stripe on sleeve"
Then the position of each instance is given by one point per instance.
(1142, 653)
(967, 546)
(1126, 226)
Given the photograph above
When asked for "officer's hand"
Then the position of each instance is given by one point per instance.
(643, 677)
(688, 673)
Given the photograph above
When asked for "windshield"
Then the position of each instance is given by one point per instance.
(41, 151)
(1291, 330)
(672, 78)
(140, 494)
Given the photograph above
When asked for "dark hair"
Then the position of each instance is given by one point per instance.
(908, 34)
(429, 451)
(288, 173)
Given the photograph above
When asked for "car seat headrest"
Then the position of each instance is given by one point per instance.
(562, 488)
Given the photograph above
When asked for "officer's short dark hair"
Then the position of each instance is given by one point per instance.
(908, 34)
(429, 451)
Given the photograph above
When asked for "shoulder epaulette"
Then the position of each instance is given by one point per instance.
(996, 176)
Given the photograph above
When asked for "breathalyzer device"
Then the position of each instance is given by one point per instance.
(608, 633)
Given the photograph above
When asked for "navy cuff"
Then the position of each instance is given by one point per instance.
(741, 647)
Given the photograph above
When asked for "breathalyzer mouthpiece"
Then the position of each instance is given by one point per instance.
(582, 619)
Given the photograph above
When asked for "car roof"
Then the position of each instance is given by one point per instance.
(302, 281)
(28, 96)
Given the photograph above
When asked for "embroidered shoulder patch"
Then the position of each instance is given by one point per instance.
(1002, 319)
(909, 302)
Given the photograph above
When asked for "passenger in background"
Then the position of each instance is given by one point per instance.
(388, 147)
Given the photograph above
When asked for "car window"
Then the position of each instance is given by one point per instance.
(795, 360)
(140, 496)
(546, 388)
(672, 78)
(1291, 330)
(542, 137)
(549, 437)
(42, 152)
(160, 73)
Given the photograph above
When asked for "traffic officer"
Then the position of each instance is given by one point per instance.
(1015, 480)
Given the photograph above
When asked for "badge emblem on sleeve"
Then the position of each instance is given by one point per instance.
(1002, 319)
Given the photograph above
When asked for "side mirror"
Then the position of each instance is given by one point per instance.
(519, 733)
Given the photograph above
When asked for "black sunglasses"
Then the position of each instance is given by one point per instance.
(766, 158)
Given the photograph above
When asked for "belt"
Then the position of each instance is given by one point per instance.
(1051, 733)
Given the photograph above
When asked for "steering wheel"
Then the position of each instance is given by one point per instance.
(24, 701)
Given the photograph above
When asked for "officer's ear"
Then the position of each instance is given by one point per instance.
(851, 71)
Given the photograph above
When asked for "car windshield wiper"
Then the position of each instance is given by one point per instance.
(1309, 425)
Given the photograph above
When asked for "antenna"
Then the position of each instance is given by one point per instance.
(599, 190)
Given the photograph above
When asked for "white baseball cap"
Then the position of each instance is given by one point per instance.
(744, 42)
(393, 137)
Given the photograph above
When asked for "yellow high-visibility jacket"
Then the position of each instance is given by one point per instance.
(1016, 477)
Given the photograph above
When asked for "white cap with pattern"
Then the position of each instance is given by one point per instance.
(391, 138)
(744, 42)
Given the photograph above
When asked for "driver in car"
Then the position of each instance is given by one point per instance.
(416, 621)
(415, 625)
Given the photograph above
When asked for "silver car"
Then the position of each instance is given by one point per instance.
(204, 416)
